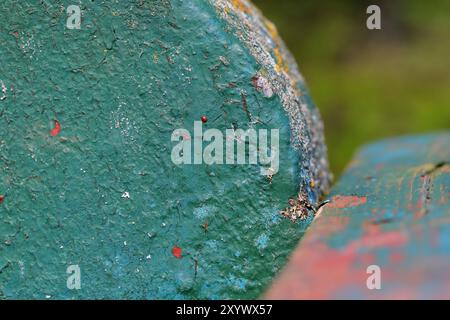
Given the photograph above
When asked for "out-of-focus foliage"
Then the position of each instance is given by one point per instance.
(370, 84)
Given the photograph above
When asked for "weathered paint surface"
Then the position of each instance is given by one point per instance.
(391, 208)
(86, 177)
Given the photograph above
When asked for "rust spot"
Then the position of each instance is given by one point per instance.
(240, 6)
(245, 106)
(169, 59)
(298, 208)
(205, 226)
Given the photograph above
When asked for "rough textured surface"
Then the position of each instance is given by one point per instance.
(278, 67)
(86, 175)
(391, 208)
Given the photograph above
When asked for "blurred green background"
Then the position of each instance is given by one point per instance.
(370, 84)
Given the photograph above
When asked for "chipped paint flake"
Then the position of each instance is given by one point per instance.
(56, 130)
(263, 85)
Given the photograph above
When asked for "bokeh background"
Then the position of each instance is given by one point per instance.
(370, 84)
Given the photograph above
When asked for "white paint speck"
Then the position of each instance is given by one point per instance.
(3, 97)
(22, 268)
(121, 121)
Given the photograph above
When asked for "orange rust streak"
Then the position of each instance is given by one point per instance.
(240, 6)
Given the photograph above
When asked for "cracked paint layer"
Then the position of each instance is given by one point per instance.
(99, 189)
(279, 74)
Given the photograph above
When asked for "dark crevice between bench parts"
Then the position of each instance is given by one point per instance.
(435, 168)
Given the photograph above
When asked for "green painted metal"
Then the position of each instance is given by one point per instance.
(86, 176)
(390, 209)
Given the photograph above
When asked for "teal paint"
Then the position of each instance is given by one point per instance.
(391, 210)
(103, 193)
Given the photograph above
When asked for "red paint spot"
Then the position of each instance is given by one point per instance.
(204, 119)
(319, 271)
(333, 224)
(340, 202)
(55, 131)
(377, 239)
(176, 251)
(314, 281)
(2, 198)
